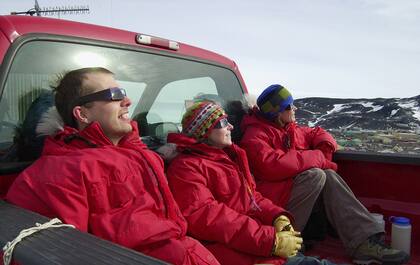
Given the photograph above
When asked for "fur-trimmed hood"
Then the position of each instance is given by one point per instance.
(50, 123)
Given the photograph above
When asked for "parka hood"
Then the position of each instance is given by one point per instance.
(254, 119)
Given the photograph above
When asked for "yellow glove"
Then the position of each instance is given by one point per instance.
(287, 244)
(282, 223)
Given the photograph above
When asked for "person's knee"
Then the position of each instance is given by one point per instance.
(319, 177)
(316, 178)
(329, 172)
(332, 176)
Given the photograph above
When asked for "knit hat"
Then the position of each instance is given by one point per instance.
(200, 118)
(273, 100)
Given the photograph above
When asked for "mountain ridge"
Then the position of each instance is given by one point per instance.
(402, 114)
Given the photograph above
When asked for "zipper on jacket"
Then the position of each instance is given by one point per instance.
(254, 204)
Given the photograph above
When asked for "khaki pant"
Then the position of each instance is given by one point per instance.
(352, 221)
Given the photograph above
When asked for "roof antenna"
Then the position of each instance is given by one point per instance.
(37, 9)
(51, 11)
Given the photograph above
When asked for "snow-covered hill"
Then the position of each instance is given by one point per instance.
(366, 114)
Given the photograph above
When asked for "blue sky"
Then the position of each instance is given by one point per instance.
(326, 48)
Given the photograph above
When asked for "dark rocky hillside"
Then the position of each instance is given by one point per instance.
(363, 114)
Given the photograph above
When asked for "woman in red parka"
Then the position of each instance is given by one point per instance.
(293, 167)
(212, 184)
(97, 175)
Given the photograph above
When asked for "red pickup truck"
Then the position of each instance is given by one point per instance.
(161, 77)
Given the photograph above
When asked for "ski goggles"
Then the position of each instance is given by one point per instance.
(110, 94)
(222, 124)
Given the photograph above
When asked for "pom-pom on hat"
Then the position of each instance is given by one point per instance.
(273, 100)
(200, 118)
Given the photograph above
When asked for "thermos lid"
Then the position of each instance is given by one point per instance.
(400, 220)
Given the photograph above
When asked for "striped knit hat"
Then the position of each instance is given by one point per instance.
(200, 118)
(273, 100)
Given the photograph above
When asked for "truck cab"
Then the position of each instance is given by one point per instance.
(161, 77)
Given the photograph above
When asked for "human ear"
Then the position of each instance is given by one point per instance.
(79, 114)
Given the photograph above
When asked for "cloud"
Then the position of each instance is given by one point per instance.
(402, 9)
(324, 47)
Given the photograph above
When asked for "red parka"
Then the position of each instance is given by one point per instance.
(216, 194)
(117, 192)
(277, 154)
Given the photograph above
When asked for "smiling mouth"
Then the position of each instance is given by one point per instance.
(124, 116)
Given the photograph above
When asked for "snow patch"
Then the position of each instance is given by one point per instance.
(371, 105)
(413, 106)
(312, 123)
(417, 113)
(337, 108)
(349, 125)
(394, 111)
(408, 105)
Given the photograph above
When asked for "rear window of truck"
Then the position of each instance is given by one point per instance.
(160, 86)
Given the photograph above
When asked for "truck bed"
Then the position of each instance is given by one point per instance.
(384, 183)
(332, 249)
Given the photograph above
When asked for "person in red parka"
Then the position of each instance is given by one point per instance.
(293, 167)
(211, 182)
(96, 174)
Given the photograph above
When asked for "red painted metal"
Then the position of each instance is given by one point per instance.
(15, 26)
(5, 182)
(386, 188)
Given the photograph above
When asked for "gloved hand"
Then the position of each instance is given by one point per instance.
(282, 223)
(287, 244)
(330, 165)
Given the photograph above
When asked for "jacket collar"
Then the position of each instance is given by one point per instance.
(93, 135)
(187, 145)
(254, 119)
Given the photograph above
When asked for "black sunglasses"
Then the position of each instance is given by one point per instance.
(290, 107)
(222, 124)
(110, 94)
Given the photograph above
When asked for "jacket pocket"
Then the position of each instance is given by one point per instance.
(98, 202)
(226, 185)
(120, 193)
(124, 184)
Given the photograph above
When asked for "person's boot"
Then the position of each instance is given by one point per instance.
(373, 250)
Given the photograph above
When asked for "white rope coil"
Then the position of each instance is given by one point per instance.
(9, 247)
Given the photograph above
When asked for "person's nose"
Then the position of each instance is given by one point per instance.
(230, 126)
(294, 107)
(126, 102)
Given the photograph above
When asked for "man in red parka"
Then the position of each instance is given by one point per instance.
(96, 174)
(213, 186)
(293, 168)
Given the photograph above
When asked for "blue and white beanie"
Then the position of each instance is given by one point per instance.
(274, 100)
